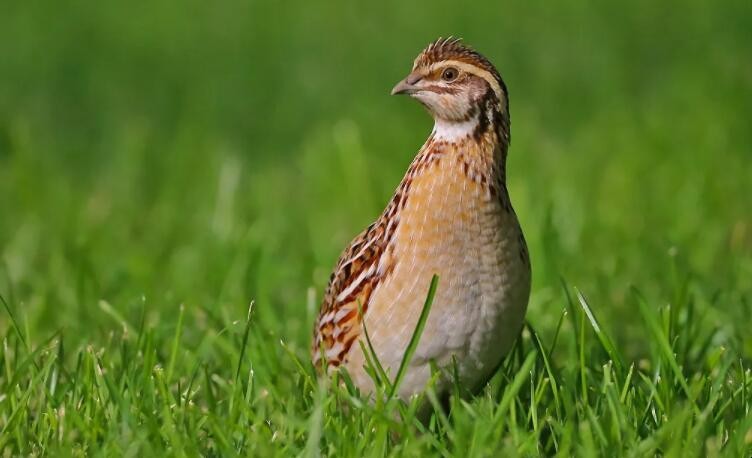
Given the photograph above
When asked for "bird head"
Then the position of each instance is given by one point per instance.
(457, 85)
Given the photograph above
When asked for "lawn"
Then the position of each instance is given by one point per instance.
(177, 181)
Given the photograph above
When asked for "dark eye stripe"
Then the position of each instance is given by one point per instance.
(442, 89)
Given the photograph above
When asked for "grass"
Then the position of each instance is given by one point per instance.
(176, 183)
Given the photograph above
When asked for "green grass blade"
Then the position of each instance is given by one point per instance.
(663, 346)
(175, 344)
(603, 337)
(513, 388)
(417, 332)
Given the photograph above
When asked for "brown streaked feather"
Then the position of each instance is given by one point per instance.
(338, 324)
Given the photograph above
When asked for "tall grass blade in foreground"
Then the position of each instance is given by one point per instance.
(415, 338)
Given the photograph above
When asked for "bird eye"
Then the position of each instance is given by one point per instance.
(449, 74)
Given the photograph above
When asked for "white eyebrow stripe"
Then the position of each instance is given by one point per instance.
(475, 70)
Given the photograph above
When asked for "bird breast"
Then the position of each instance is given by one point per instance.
(456, 223)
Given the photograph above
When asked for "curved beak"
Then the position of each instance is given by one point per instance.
(408, 85)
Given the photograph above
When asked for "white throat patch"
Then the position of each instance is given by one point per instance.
(454, 131)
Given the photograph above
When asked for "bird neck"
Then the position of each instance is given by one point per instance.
(484, 132)
(477, 117)
(478, 149)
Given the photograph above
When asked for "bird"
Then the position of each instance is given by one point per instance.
(450, 216)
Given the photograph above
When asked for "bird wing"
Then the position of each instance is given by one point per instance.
(366, 261)
(347, 295)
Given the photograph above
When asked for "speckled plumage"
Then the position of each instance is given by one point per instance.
(451, 216)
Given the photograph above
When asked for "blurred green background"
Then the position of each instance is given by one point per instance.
(161, 153)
